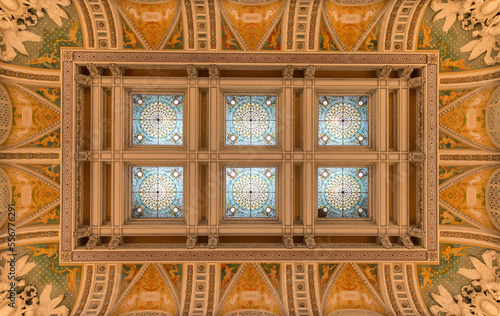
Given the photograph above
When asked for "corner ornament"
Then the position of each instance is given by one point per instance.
(480, 17)
(480, 297)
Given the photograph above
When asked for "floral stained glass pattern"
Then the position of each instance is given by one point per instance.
(157, 192)
(250, 192)
(343, 120)
(343, 192)
(157, 119)
(251, 120)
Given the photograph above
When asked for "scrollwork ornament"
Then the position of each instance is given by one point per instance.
(405, 73)
(288, 72)
(385, 242)
(417, 156)
(212, 242)
(213, 71)
(417, 82)
(432, 255)
(83, 156)
(192, 71)
(384, 72)
(432, 59)
(482, 18)
(92, 242)
(407, 242)
(116, 71)
(114, 243)
(83, 79)
(191, 242)
(416, 232)
(93, 70)
(66, 55)
(65, 256)
(82, 232)
(310, 71)
(310, 242)
(480, 297)
(288, 242)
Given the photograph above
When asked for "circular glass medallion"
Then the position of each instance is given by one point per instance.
(158, 120)
(157, 192)
(342, 192)
(250, 192)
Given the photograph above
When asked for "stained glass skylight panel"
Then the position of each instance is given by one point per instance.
(343, 120)
(250, 192)
(251, 120)
(157, 119)
(157, 192)
(343, 192)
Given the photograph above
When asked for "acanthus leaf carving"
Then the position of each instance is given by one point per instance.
(482, 18)
(212, 242)
(480, 297)
(92, 242)
(406, 72)
(116, 71)
(191, 242)
(288, 242)
(384, 72)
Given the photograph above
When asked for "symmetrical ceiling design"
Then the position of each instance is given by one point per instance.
(464, 33)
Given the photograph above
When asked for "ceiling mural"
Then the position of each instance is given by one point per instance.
(254, 24)
(454, 28)
(351, 290)
(44, 287)
(152, 23)
(448, 96)
(465, 195)
(460, 283)
(466, 36)
(352, 23)
(32, 116)
(33, 33)
(253, 288)
(31, 194)
(466, 118)
(326, 41)
(150, 291)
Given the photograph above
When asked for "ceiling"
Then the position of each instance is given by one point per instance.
(469, 157)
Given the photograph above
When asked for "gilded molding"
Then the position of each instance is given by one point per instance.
(390, 24)
(291, 18)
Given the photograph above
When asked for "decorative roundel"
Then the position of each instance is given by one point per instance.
(157, 191)
(492, 117)
(251, 120)
(343, 120)
(5, 114)
(158, 120)
(250, 192)
(5, 195)
(343, 192)
(493, 198)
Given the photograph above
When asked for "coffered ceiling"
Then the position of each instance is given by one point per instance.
(32, 135)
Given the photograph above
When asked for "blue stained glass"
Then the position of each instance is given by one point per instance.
(157, 192)
(250, 192)
(157, 119)
(251, 120)
(343, 120)
(343, 192)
